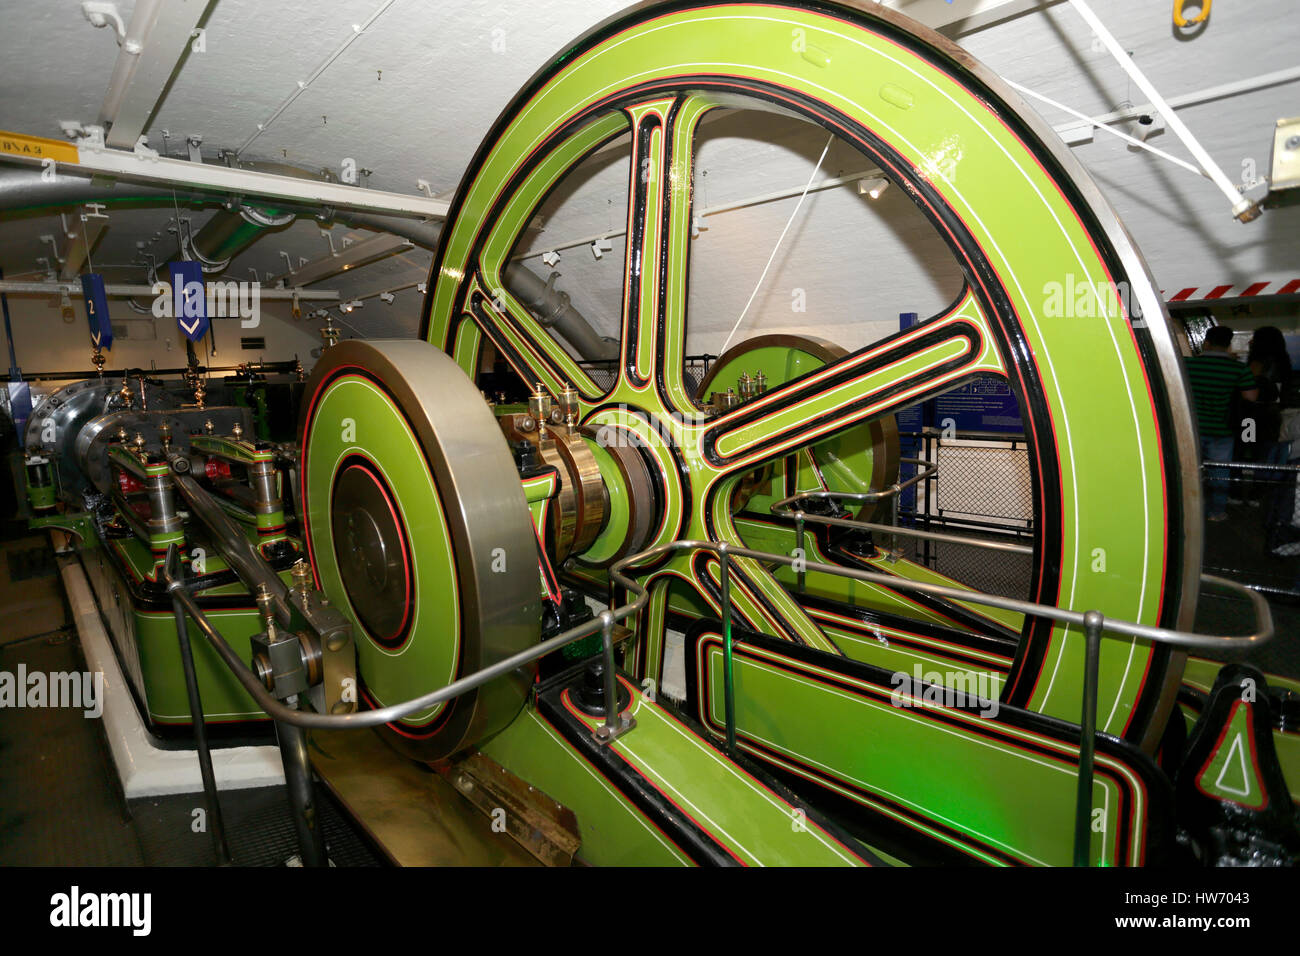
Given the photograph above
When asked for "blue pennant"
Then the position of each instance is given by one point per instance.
(188, 299)
(101, 329)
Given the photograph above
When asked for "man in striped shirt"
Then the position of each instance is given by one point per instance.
(1216, 379)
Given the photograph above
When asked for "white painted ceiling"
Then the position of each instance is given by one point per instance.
(413, 96)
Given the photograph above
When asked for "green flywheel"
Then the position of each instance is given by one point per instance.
(418, 528)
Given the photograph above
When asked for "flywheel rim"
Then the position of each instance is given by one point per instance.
(667, 48)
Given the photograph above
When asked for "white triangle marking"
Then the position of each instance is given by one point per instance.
(1239, 749)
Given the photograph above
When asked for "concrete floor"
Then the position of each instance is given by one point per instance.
(30, 592)
(60, 801)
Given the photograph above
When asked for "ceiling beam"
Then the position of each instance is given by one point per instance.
(80, 243)
(155, 43)
(356, 253)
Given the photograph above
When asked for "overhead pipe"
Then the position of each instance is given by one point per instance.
(230, 232)
(235, 228)
(554, 308)
(22, 188)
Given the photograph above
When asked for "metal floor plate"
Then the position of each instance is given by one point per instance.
(413, 813)
(259, 830)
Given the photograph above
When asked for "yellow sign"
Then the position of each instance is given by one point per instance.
(37, 148)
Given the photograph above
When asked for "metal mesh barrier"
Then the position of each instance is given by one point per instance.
(1008, 575)
(984, 481)
(604, 374)
(1259, 542)
(983, 488)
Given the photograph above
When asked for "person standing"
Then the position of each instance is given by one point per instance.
(1270, 363)
(1216, 379)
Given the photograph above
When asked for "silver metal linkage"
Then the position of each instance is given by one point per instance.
(1092, 625)
(616, 723)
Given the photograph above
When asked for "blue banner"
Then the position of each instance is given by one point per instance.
(101, 329)
(20, 404)
(188, 302)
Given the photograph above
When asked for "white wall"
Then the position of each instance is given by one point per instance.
(46, 343)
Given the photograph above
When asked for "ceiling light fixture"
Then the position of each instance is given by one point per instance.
(872, 187)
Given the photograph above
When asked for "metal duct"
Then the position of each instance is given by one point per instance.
(225, 235)
(553, 307)
(22, 188)
(231, 231)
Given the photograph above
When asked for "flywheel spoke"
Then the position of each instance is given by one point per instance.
(873, 382)
(659, 234)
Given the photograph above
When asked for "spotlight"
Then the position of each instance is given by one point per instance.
(872, 187)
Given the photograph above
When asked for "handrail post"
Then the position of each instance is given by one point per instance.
(799, 543)
(893, 518)
(1092, 624)
(728, 674)
(301, 792)
(611, 678)
(615, 724)
(218, 829)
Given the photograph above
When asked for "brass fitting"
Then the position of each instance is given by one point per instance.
(539, 408)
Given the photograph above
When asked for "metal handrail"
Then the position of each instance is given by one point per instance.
(1250, 466)
(603, 623)
(800, 517)
(868, 496)
(1093, 622)
(783, 508)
